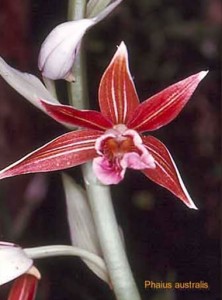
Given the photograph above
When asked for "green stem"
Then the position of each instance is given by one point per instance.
(50, 85)
(99, 195)
(110, 239)
(77, 91)
(76, 9)
(63, 250)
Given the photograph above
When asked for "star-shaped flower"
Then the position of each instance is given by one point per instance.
(113, 138)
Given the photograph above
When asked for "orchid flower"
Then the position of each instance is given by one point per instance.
(114, 138)
(58, 51)
(15, 264)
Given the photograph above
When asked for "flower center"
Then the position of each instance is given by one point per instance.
(114, 147)
(120, 148)
(118, 141)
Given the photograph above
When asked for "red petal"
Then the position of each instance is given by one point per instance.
(68, 150)
(117, 95)
(166, 173)
(163, 107)
(71, 116)
(24, 288)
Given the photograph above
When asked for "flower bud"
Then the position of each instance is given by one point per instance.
(59, 49)
(13, 262)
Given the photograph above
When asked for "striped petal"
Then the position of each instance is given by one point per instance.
(68, 150)
(117, 95)
(166, 173)
(24, 288)
(163, 107)
(71, 116)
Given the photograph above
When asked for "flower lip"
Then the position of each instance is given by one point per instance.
(108, 173)
(120, 148)
(138, 162)
(116, 133)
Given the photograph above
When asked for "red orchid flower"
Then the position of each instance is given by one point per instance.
(113, 137)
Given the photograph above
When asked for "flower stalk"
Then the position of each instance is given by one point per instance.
(64, 250)
(77, 91)
(109, 235)
(76, 9)
(99, 196)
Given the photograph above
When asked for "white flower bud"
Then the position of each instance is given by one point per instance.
(13, 262)
(59, 49)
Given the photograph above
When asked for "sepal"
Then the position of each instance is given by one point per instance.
(117, 94)
(27, 85)
(164, 107)
(166, 173)
(71, 116)
(66, 151)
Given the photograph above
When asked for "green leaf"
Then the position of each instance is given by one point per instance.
(94, 7)
(99, 9)
(82, 229)
(27, 85)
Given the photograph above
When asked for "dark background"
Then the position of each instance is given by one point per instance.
(165, 241)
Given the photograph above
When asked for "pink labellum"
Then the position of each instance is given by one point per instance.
(120, 148)
(138, 162)
(106, 172)
(166, 173)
